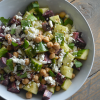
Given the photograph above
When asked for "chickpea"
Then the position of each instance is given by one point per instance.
(56, 46)
(15, 54)
(38, 75)
(46, 75)
(7, 36)
(12, 74)
(9, 41)
(12, 79)
(56, 57)
(51, 50)
(35, 78)
(46, 39)
(9, 47)
(28, 95)
(47, 69)
(38, 39)
(49, 44)
(20, 86)
(52, 55)
(1, 71)
(27, 61)
(52, 85)
(43, 81)
(57, 88)
(25, 81)
(62, 14)
(73, 76)
(43, 72)
(38, 81)
(41, 36)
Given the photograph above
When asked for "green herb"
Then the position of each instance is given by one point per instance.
(26, 44)
(62, 21)
(2, 78)
(74, 54)
(25, 23)
(71, 45)
(65, 55)
(40, 78)
(0, 45)
(51, 73)
(14, 44)
(59, 37)
(39, 14)
(4, 21)
(77, 64)
(23, 75)
(13, 31)
(68, 21)
(9, 64)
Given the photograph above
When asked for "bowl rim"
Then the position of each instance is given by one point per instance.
(92, 40)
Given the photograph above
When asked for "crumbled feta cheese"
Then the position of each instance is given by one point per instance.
(28, 86)
(28, 75)
(13, 40)
(38, 84)
(55, 68)
(31, 44)
(18, 30)
(17, 82)
(50, 32)
(50, 23)
(70, 40)
(5, 43)
(73, 29)
(18, 17)
(13, 26)
(49, 80)
(59, 41)
(3, 27)
(37, 24)
(19, 13)
(19, 51)
(23, 36)
(61, 55)
(16, 60)
(62, 76)
(15, 70)
(7, 29)
(71, 64)
(30, 36)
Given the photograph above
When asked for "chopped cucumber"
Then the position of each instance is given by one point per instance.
(59, 37)
(36, 65)
(43, 10)
(69, 27)
(66, 71)
(50, 35)
(82, 54)
(60, 29)
(51, 89)
(55, 19)
(3, 51)
(66, 37)
(66, 84)
(32, 87)
(68, 59)
(29, 16)
(29, 52)
(40, 48)
(25, 23)
(65, 47)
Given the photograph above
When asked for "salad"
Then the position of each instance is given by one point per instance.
(39, 51)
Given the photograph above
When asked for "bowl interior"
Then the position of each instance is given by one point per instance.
(8, 8)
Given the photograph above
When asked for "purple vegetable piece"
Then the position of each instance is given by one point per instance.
(42, 88)
(57, 52)
(5, 81)
(78, 69)
(47, 95)
(18, 77)
(46, 26)
(2, 35)
(18, 40)
(48, 14)
(3, 62)
(12, 88)
(46, 58)
(75, 35)
(8, 55)
(14, 20)
(59, 79)
(16, 48)
(1, 30)
(80, 43)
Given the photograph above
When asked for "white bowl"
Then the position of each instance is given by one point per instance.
(8, 8)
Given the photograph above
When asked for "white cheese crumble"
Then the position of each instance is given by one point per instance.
(19, 13)
(16, 60)
(61, 55)
(28, 75)
(19, 51)
(59, 41)
(50, 23)
(70, 40)
(37, 24)
(15, 70)
(5, 43)
(18, 17)
(31, 44)
(13, 26)
(38, 84)
(73, 29)
(55, 68)
(13, 40)
(50, 80)
(7, 29)
(3, 27)
(18, 30)
(71, 64)
(62, 76)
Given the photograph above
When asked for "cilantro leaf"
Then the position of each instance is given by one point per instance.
(13, 31)
(4, 21)
(26, 44)
(2, 78)
(40, 78)
(14, 44)
(71, 45)
(77, 64)
(23, 75)
(51, 73)
(68, 21)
